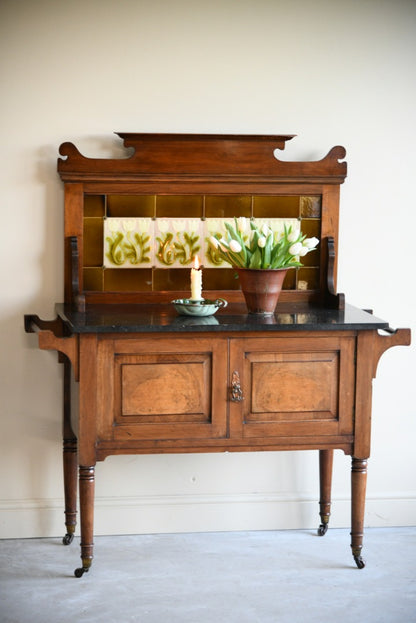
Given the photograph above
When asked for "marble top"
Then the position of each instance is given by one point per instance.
(160, 318)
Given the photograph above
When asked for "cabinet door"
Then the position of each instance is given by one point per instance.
(162, 388)
(293, 386)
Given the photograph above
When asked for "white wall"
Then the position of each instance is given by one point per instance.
(330, 72)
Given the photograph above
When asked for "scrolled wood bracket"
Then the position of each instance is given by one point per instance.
(394, 337)
(334, 299)
(34, 324)
(51, 335)
(78, 297)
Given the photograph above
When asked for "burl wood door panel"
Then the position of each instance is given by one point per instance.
(155, 388)
(294, 386)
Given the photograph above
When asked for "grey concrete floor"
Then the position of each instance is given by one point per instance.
(238, 577)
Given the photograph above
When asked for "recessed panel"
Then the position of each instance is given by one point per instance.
(157, 389)
(295, 386)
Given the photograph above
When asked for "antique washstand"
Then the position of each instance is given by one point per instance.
(140, 378)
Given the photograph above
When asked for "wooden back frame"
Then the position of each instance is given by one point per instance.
(206, 164)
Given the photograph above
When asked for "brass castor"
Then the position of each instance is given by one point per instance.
(323, 529)
(80, 571)
(359, 562)
(68, 538)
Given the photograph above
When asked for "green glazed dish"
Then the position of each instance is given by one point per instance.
(204, 307)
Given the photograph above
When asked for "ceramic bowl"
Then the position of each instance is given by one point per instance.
(204, 307)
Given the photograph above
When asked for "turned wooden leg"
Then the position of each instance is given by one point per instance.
(86, 506)
(70, 488)
(326, 458)
(69, 460)
(358, 488)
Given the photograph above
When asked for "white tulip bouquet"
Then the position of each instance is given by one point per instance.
(261, 248)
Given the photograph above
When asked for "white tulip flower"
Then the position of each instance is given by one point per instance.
(303, 251)
(214, 242)
(242, 224)
(261, 242)
(235, 246)
(295, 248)
(311, 242)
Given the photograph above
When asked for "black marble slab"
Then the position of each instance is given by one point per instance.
(163, 318)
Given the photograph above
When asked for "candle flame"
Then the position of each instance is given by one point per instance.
(196, 262)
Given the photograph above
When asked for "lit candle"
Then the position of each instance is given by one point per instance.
(196, 281)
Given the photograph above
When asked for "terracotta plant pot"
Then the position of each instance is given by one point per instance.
(261, 288)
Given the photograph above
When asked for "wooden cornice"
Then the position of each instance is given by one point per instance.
(201, 158)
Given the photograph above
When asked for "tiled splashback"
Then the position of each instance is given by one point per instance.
(168, 242)
(155, 236)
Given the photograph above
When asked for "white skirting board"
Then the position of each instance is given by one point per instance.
(39, 518)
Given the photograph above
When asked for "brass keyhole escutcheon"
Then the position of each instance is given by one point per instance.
(236, 391)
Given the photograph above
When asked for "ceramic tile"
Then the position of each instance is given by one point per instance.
(214, 227)
(131, 206)
(128, 243)
(224, 278)
(172, 279)
(310, 207)
(94, 205)
(93, 241)
(93, 279)
(177, 241)
(276, 206)
(290, 280)
(277, 225)
(311, 227)
(173, 206)
(135, 280)
(308, 278)
(227, 206)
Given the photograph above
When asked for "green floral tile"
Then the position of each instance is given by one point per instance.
(214, 227)
(177, 241)
(128, 243)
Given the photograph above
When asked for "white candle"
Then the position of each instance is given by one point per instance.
(196, 281)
